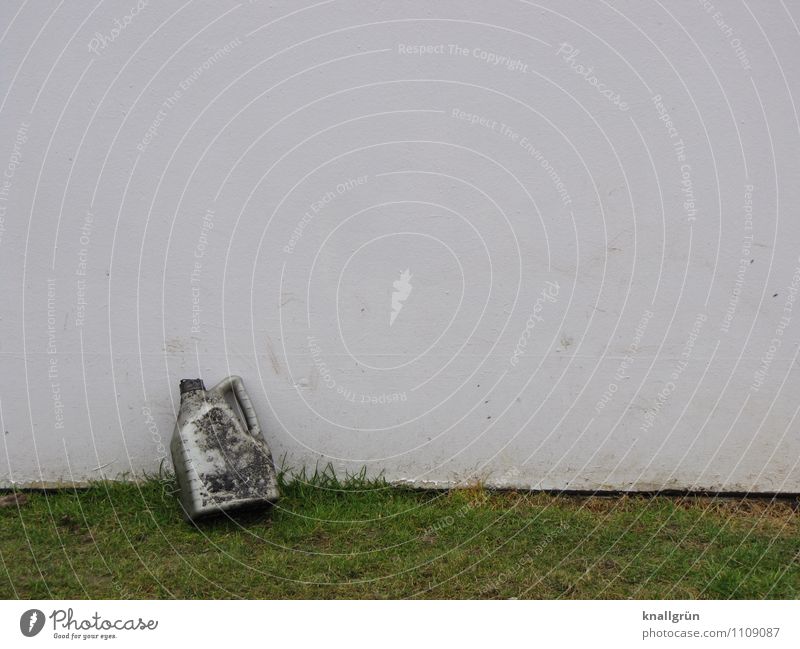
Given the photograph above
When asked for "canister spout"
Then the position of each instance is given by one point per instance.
(188, 385)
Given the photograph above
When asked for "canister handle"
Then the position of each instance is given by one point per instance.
(236, 384)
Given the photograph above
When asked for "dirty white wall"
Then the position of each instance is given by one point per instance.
(597, 205)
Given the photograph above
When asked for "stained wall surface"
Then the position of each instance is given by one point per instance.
(539, 244)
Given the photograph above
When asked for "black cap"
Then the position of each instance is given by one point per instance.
(188, 385)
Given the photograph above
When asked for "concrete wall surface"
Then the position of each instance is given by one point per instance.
(541, 244)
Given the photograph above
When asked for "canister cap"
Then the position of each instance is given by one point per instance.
(188, 385)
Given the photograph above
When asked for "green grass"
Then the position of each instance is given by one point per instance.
(366, 539)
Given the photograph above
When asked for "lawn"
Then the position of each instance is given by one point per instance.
(327, 539)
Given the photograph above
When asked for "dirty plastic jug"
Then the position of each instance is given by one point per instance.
(221, 462)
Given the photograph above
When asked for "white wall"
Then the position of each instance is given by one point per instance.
(155, 184)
